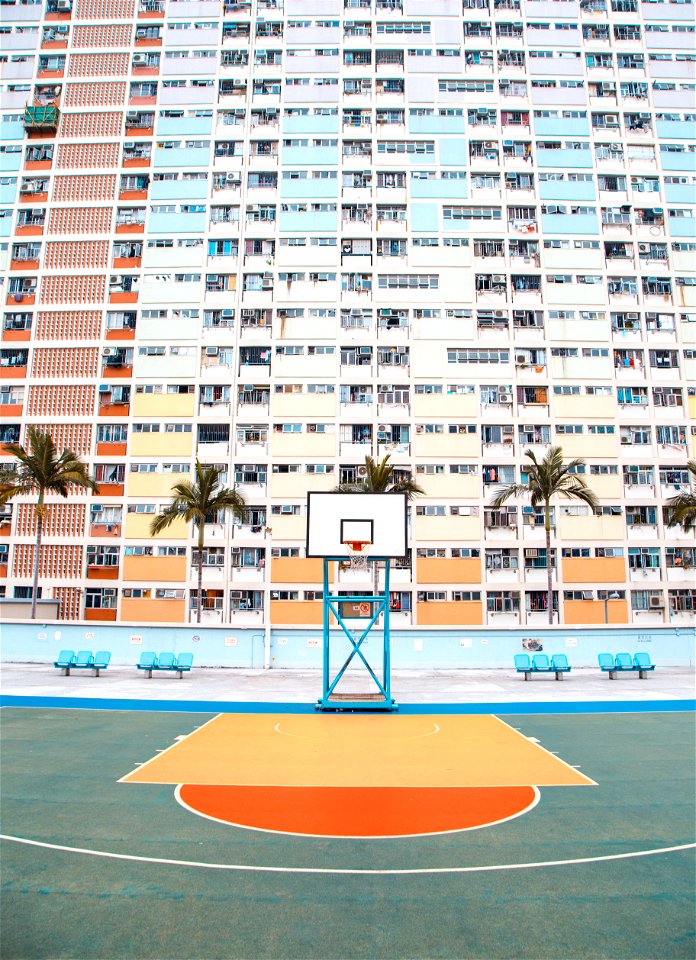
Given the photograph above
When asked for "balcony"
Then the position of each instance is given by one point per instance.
(41, 119)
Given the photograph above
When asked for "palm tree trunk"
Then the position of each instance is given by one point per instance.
(199, 605)
(37, 554)
(549, 568)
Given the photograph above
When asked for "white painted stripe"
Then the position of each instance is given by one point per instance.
(539, 747)
(347, 836)
(159, 754)
(249, 868)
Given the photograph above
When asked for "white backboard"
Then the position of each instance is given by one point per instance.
(335, 517)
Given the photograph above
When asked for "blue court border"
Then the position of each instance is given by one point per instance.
(231, 706)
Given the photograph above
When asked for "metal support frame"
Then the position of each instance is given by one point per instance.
(331, 605)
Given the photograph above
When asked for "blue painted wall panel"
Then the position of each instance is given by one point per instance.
(11, 130)
(678, 161)
(561, 127)
(183, 126)
(675, 129)
(490, 648)
(452, 153)
(309, 156)
(436, 124)
(307, 126)
(682, 226)
(8, 192)
(171, 223)
(569, 223)
(563, 190)
(309, 189)
(424, 216)
(10, 162)
(179, 190)
(564, 159)
(680, 192)
(182, 157)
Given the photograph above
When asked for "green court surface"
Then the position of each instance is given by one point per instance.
(533, 887)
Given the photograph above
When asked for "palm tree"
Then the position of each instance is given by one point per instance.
(195, 502)
(681, 509)
(379, 478)
(545, 480)
(40, 469)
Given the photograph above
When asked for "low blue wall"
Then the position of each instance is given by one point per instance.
(39, 642)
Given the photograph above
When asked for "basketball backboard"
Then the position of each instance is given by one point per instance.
(375, 518)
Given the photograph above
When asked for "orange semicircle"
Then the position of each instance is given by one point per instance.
(357, 811)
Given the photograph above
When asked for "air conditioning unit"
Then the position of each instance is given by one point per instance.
(498, 278)
(587, 595)
(490, 144)
(235, 594)
(104, 388)
(361, 471)
(643, 247)
(528, 428)
(656, 603)
(110, 352)
(95, 507)
(212, 351)
(64, 5)
(139, 59)
(505, 398)
(520, 358)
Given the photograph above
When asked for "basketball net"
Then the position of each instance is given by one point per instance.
(358, 553)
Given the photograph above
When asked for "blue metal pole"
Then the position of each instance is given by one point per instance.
(327, 657)
(387, 634)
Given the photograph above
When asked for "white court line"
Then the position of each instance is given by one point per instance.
(328, 870)
(177, 741)
(347, 836)
(536, 743)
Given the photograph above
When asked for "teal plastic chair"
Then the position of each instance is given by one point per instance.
(84, 660)
(559, 663)
(643, 664)
(64, 661)
(102, 659)
(523, 664)
(148, 662)
(606, 664)
(165, 661)
(624, 661)
(184, 662)
(540, 663)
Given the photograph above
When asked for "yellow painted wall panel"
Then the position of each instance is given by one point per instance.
(692, 408)
(155, 569)
(163, 404)
(161, 444)
(606, 486)
(592, 611)
(151, 484)
(450, 485)
(593, 569)
(153, 611)
(440, 529)
(288, 528)
(592, 528)
(304, 446)
(294, 485)
(450, 445)
(584, 408)
(590, 446)
(451, 614)
(449, 570)
(138, 528)
(438, 406)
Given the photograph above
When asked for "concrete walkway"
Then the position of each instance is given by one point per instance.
(304, 686)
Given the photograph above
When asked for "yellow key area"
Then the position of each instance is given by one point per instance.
(354, 750)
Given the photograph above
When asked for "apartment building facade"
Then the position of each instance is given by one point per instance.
(279, 237)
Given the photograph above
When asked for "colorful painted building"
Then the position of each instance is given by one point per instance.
(279, 237)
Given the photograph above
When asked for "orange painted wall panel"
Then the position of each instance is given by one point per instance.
(103, 616)
(594, 569)
(592, 611)
(296, 612)
(451, 614)
(155, 569)
(153, 611)
(297, 570)
(447, 570)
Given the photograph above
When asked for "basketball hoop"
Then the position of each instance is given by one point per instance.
(358, 553)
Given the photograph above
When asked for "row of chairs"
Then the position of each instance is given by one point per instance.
(82, 660)
(625, 663)
(540, 663)
(165, 662)
(86, 660)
